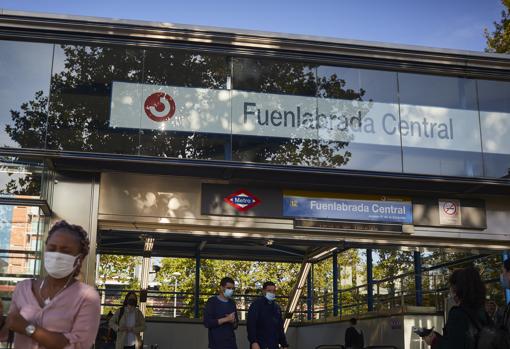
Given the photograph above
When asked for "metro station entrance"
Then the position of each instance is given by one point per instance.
(390, 276)
(387, 305)
(355, 175)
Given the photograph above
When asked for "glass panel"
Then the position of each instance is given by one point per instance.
(25, 70)
(19, 263)
(494, 98)
(197, 79)
(20, 177)
(20, 245)
(81, 88)
(440, 125)
(19, 231)
(362, 117)
(273, 118)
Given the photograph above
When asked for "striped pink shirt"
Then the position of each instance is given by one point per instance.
(75, 312)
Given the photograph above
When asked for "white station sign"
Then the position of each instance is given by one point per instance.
(168, 108)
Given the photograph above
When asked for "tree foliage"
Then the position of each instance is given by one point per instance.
(118, 269)
(249, 277)
(499, 39)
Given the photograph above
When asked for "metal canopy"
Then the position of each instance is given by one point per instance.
(313, 178)
(213, 247)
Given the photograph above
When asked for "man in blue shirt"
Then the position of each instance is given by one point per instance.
(265, 322)
(220, 317)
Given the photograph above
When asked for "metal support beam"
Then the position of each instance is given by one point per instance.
(144, 282)
(506, 255)
(295, 295)
(309, 296)
(335, 283)
(41, 203)
(418, 278)
(196, 304)
(146, 265)
(370, 281)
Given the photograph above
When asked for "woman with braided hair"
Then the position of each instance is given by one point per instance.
(57, 310)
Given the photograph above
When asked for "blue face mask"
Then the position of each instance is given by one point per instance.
(228, 293)
(270, 296)
(504, 281)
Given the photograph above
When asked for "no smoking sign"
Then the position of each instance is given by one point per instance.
(449, 212)
(450, 208)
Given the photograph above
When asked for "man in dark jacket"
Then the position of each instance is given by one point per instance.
(265, 322)
(354, 336)
(220, 317)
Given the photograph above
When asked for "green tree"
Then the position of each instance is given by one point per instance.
(392, 263)
(249, 277)
(352, 274)
(499, 40)
(118, 268)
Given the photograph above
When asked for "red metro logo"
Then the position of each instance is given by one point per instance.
(159, 107)
(242, 200)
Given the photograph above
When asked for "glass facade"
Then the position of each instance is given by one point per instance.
(362, 100)
(25, 71)
(80, 98)
(494, 99)
(275, 78)
(173, 103)
(440, 125)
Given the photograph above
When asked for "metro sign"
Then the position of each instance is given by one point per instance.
(159, 107)
(242, 200)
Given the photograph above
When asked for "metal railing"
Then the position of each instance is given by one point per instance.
(181, 304)
(388, 294)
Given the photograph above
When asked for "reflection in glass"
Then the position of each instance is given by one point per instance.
(20, 240)
(247, 109)
(439, 125)
(362, 112)
(164, 68)
(20, 178)
(272, 88)
(20, 245)
(81, 86)
(494, 99)
(273, 76)
(25, 70)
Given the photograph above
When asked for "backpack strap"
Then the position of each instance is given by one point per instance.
(476, 324)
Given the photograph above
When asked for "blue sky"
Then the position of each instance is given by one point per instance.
(454, 24)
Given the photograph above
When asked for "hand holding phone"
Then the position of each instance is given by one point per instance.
(422, 331)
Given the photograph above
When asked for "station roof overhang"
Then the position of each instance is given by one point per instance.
(214, 247)
(269, 175)
(257, 247)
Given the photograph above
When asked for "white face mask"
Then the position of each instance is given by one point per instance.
(228, 293)
(270, 296)
(59, 265)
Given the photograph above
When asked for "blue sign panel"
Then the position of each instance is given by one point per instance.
(348, 209)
